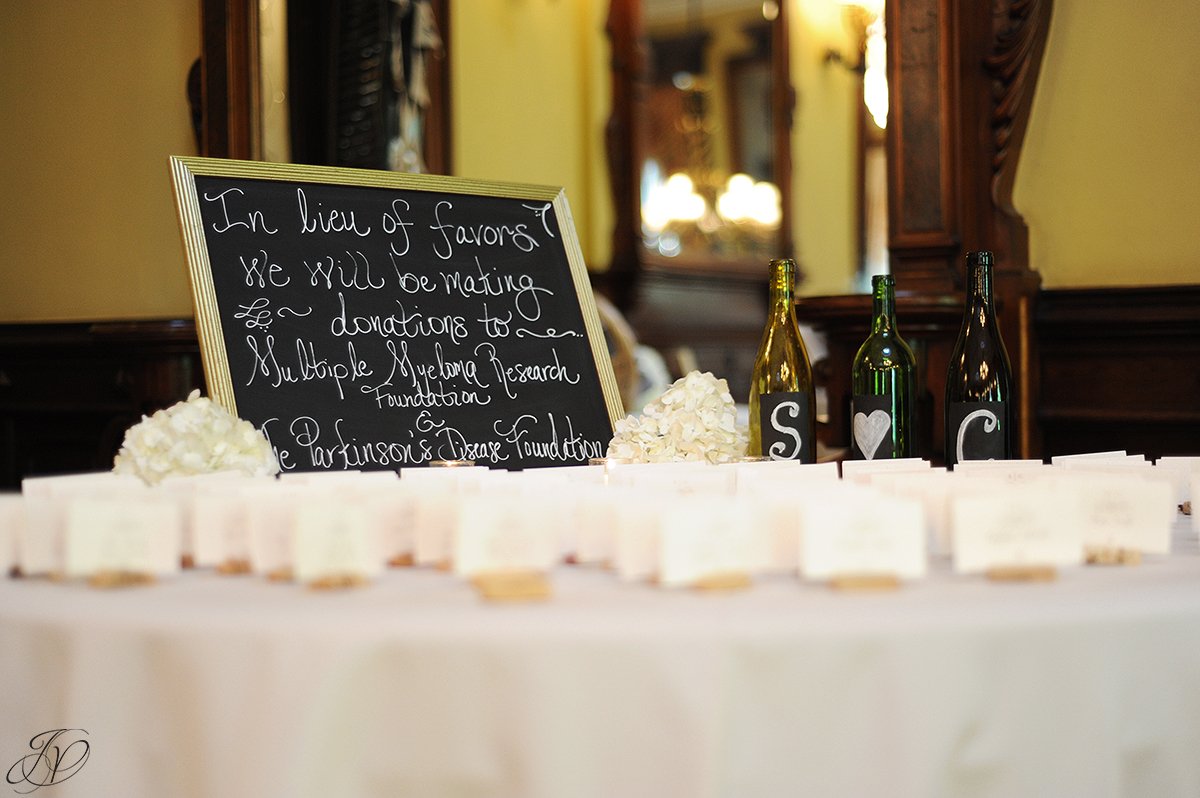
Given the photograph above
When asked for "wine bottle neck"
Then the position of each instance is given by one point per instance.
(979, 285)
(783, 276)
(884, 303)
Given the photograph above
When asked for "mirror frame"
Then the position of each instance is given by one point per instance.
(231, 119)
(626, 35)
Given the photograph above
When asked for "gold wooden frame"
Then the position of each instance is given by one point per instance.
(217, 375)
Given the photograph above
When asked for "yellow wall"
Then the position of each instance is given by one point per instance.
(93, 104)
(825, 137)
(530, 100)
(1109, 180)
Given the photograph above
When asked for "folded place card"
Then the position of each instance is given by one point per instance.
(707, 542)
(1010, 471)
(594, 474)
(932, 488)
(595, 520)
(1015, 526)
(436, 515)
(335, 545)
(866, 535)
(636, 542)
(498, 534)
(1191, 508)
(270, 524)
(775, 513)
(394, 513)
(40, 542)
(552, 491)
(681, 479)
(1182, 470)
(12, 526)
(42, 546)
(220, 537)
(863, 471)
(773, 476)
(114, 537)
(1068, 458)
(1123, 512)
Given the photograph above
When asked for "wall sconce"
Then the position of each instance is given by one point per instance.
(865, 20)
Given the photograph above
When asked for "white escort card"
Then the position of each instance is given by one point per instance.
(1060, 459)
(41, 549)
(1123, 512)
(863, 471)
(777, 492)
(637, 529)
(1195, 487)
(438, 493)
(335, 545)
(932, 489)
(551, 491)
(122, 536)
(270, 526)
(1010, 471)
(1182, 470)
(864, 533)
(683, 479)
(503, 534)
(394, 512)
(220, 537)
(595, 519)
(705, 542)
(771, 476)
(12, 526)
(1017, 526)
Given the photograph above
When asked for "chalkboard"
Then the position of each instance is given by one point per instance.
(374, 320)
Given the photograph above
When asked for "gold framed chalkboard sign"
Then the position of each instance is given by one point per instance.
(374, 320)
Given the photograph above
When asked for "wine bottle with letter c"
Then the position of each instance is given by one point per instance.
(782, 399)
(883, 382)
(980, 405)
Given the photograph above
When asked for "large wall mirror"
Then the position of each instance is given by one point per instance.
(711, 145)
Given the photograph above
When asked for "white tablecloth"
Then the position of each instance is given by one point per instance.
(232, 686)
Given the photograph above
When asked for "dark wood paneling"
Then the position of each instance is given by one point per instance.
(68, 392)
(1120, 369)
(716, 321)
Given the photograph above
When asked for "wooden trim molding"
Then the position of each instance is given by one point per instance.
(231, 124)
(68, 391)
(1120, 369)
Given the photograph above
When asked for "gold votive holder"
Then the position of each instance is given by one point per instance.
(451, 463)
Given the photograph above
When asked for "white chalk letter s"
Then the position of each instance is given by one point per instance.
(778, 448)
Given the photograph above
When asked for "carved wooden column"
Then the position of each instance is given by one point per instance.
(962, 75)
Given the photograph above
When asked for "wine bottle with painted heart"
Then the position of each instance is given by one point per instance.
(783, 411)
(980, 406)
(883, 381)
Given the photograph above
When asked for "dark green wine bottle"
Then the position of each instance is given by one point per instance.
(883, 381)
(980, 405)
(782, 401)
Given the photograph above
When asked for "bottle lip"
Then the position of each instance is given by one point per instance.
(884, 279)
(983, 257)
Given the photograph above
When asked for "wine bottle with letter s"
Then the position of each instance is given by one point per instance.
(980, 405)
(883, 382)
(782, 399)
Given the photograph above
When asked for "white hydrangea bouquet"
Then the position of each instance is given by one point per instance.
(196, 436)
(695, 419)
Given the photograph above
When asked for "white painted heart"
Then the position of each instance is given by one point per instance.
(869, 431)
